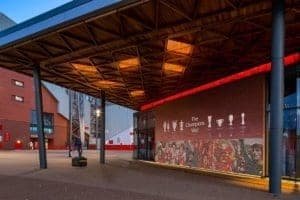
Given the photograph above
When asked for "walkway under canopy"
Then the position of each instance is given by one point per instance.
(136, 52)
(139, 51)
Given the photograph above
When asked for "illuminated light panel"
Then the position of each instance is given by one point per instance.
(260, 69)
(175, 68)
(179, 47)
(85, 69)
(129, 63)
(108, 84)
(137, 93)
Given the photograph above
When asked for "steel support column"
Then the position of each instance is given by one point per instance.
(98, 116)
(39, 116)
(102, 135)
(276, 97)
(70, 135)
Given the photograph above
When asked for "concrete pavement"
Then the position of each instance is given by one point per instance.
(120, 178)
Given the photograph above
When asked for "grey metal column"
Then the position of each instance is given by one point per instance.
(39, 116)
(98, 115)
(102, 135)
(70, 121)
(276, 99)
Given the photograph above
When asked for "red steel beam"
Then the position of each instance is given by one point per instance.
(260, 69)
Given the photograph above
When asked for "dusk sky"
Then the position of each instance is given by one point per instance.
(21, 10)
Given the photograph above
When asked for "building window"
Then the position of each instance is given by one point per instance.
(48, 123)
(291, 123)
(18, 98)
(18, 83)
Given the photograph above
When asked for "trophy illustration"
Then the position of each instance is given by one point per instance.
(230, 119)
(174, 125)
(165, 126)
(220, 122)
(243, 118)
(209, 118)
(168, 126)
(181, 125)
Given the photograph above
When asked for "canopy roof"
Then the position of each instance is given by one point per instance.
(142, 50)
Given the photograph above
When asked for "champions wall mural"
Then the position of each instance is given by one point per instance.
(221, 129)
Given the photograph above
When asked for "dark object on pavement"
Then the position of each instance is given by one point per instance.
(79, 161)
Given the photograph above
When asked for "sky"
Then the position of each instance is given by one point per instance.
(21, 10)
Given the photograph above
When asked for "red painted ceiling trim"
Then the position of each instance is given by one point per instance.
(260, 69)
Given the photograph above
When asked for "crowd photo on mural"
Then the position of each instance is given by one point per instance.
(226, 155)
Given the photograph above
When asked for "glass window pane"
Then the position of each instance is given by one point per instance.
(289, 142)
(33, 117)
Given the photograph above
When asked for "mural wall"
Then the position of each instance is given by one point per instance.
(221, 129)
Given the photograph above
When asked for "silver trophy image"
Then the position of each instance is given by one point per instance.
(181, 125)
(209, 118)
(243, 119)
(230, 119)
(165, 126)
(174, 125)
(168, 126)
(220, 122)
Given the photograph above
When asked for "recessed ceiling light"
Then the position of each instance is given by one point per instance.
(108, 84)
(85, 69)
(179, 47)
(129, 63)
(175, 68)
(137, 93)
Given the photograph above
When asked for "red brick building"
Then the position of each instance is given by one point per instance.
(17, 114)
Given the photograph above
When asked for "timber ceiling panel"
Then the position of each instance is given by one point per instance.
(155, 48)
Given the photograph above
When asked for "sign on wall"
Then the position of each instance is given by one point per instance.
(221, 129)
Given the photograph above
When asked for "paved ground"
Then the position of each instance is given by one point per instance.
(120, 178)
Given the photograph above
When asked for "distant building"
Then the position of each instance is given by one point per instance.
(18, 119)
(5, 22)
(18, 128)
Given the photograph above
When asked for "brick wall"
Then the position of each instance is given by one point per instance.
(15, 117)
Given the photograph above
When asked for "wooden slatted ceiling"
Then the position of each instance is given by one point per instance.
(156, 48)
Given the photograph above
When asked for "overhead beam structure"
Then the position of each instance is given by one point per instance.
(227, 37)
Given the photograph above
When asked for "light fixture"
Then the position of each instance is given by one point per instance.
(85, 69)
(137, 93)
(98, 112)
(108, 84)
(130, 63)
(173, 68)
(179, 47)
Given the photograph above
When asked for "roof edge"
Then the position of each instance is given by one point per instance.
(68, 14)
(43, 16)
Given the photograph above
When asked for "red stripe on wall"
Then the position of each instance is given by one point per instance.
(260, 69)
